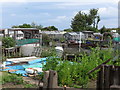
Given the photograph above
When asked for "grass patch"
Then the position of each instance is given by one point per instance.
(15, 80)
(29, 86)
(11, 78)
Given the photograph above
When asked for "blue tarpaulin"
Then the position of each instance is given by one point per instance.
(8, 62)
(16, 67)
(37, 60)
(37, 63)
(22, 72)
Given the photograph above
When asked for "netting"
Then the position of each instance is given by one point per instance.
(26, 41)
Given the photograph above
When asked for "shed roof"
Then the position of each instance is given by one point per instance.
(23, 29)
(51, 32)
(87, 31)
(75, 33)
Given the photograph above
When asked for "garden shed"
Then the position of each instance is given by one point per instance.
(29, 39)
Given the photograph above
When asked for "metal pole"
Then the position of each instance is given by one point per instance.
(40, 37)
(79, 41)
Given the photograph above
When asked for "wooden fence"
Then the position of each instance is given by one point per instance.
(108, 77)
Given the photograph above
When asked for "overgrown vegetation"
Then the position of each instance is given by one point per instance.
(48, 52)
(11, 78)
(75, 73)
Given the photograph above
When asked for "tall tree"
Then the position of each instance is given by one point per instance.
(103, 29)
(83, 21)
(79, 22)
(95, 17)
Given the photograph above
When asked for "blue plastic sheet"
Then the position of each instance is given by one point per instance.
(16, 67)
(41, 60)
(35, 65)
(31, 64)
(37, 60)
(8, 62)
(22, 72)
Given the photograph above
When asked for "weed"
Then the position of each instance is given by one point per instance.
(75, 72)
(6, 78)
(29, 86)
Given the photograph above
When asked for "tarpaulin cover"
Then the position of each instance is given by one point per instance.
(8, 62)
(16, 67)
(117, 39)
(35, 65)
(23, 72)
(37, 60)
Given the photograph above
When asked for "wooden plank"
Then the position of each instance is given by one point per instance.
(115, 87)
(102, 77)
(116, 76)
(52, 79)
(111, 75)
(99, 80)
(45, 79)
(99, 66)
(119, 76)
(106, 76)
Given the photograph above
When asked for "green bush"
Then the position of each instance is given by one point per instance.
(8, 42)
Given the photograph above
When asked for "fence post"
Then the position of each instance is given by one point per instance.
(50, 80)
(106, 76)
(103, 78)
(45, 79)
(119, 75)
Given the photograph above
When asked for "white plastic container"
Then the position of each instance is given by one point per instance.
(33, 70)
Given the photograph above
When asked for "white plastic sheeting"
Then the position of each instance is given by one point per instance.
(59, 51)
(24, 59)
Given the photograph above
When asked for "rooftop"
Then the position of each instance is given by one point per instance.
(18, 29)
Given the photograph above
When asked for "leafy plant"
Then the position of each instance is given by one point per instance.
(75, 73)
(8, 42)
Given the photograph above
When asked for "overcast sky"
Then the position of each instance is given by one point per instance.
(58, 13)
